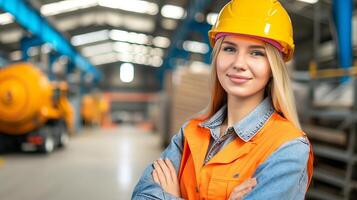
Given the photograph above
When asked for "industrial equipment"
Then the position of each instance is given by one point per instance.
(35, 113)
(94, 109)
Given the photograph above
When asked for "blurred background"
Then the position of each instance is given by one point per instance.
(91, 91)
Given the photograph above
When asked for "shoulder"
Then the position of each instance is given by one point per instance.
(281, 125)
(294, 153)
(283, 122)
(285, 170)
(282, 135)
(297, 147)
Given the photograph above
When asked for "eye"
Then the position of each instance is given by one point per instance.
(257, 53)
(229, 49)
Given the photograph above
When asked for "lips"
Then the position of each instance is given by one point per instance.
(238, 78)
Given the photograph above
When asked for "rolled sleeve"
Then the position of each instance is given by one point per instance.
(284, 174)
(146, 188)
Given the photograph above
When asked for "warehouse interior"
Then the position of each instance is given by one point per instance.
(92, 91)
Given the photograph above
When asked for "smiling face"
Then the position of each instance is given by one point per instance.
(243, 69)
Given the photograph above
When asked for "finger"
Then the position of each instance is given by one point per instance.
(254, 181)
(155, 177)
(165, 170)
(245, 191)
(239, 195)
(172, 170)
(160, 174)
(242, 194)
(235, 197)
(246, 184)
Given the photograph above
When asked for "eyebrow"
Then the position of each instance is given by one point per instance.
(250, 46)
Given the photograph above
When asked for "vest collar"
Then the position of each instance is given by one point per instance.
(246, 128)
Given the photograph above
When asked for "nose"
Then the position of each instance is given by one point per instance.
(240, 62)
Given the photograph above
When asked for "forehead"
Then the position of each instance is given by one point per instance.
(243, 40)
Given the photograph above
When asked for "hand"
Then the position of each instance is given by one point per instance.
(165, 175)
(244, 188)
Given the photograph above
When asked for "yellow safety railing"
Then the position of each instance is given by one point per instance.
(331, 73)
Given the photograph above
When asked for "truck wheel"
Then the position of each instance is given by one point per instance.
(49, 142)
(63, 134)
(48, 145)
(64, 139)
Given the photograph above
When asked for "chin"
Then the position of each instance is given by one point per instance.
(240, 94)
(243, 92)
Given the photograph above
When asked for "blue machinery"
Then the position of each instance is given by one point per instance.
(342, 12)
(43, 32)
(188, 24)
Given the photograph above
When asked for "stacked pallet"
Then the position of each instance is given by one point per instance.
(333, 137)
(190, 95)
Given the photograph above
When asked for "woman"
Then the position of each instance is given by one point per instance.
(249, 143)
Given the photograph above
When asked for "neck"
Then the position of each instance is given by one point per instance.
(238, 108)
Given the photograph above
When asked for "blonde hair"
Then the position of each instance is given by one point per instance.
(279, 87)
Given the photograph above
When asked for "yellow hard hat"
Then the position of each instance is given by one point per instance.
(266, 19)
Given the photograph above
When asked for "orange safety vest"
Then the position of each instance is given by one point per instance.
(217, 178)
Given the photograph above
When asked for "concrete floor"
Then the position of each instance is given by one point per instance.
(96, 165)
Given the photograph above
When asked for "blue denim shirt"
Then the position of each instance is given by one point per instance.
(282, 176)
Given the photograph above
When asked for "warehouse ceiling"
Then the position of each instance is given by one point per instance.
(105, 31)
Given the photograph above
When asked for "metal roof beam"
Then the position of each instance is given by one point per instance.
(32, 20)
(184, 28)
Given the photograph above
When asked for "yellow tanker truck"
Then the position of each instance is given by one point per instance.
(35, 114)
(94, 109)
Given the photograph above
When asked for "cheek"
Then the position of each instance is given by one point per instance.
(221, 67)
(262, 71)
(221, 63)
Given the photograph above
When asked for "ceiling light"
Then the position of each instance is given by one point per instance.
(127, 72)
(162, 42)
(6, 18)
(123, 47)
(196, 47)
(156, 61)
(118, 35)
(138, 38)
(125, 57)
(90, 37)
(309, 1)
(138, 6)
(104, 58)
(139, 23)
(212, 18)
(66, 6)
(10, 36)
(140, 59)
(97, 49)
(131, 37)
(125, 52)
(174, 12)
(157, 52)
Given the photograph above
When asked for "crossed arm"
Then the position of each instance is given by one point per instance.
(159, 180)
(165, 175)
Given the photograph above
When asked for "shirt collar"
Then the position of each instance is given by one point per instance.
(250, 125)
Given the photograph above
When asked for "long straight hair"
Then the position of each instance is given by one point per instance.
(279, 87)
